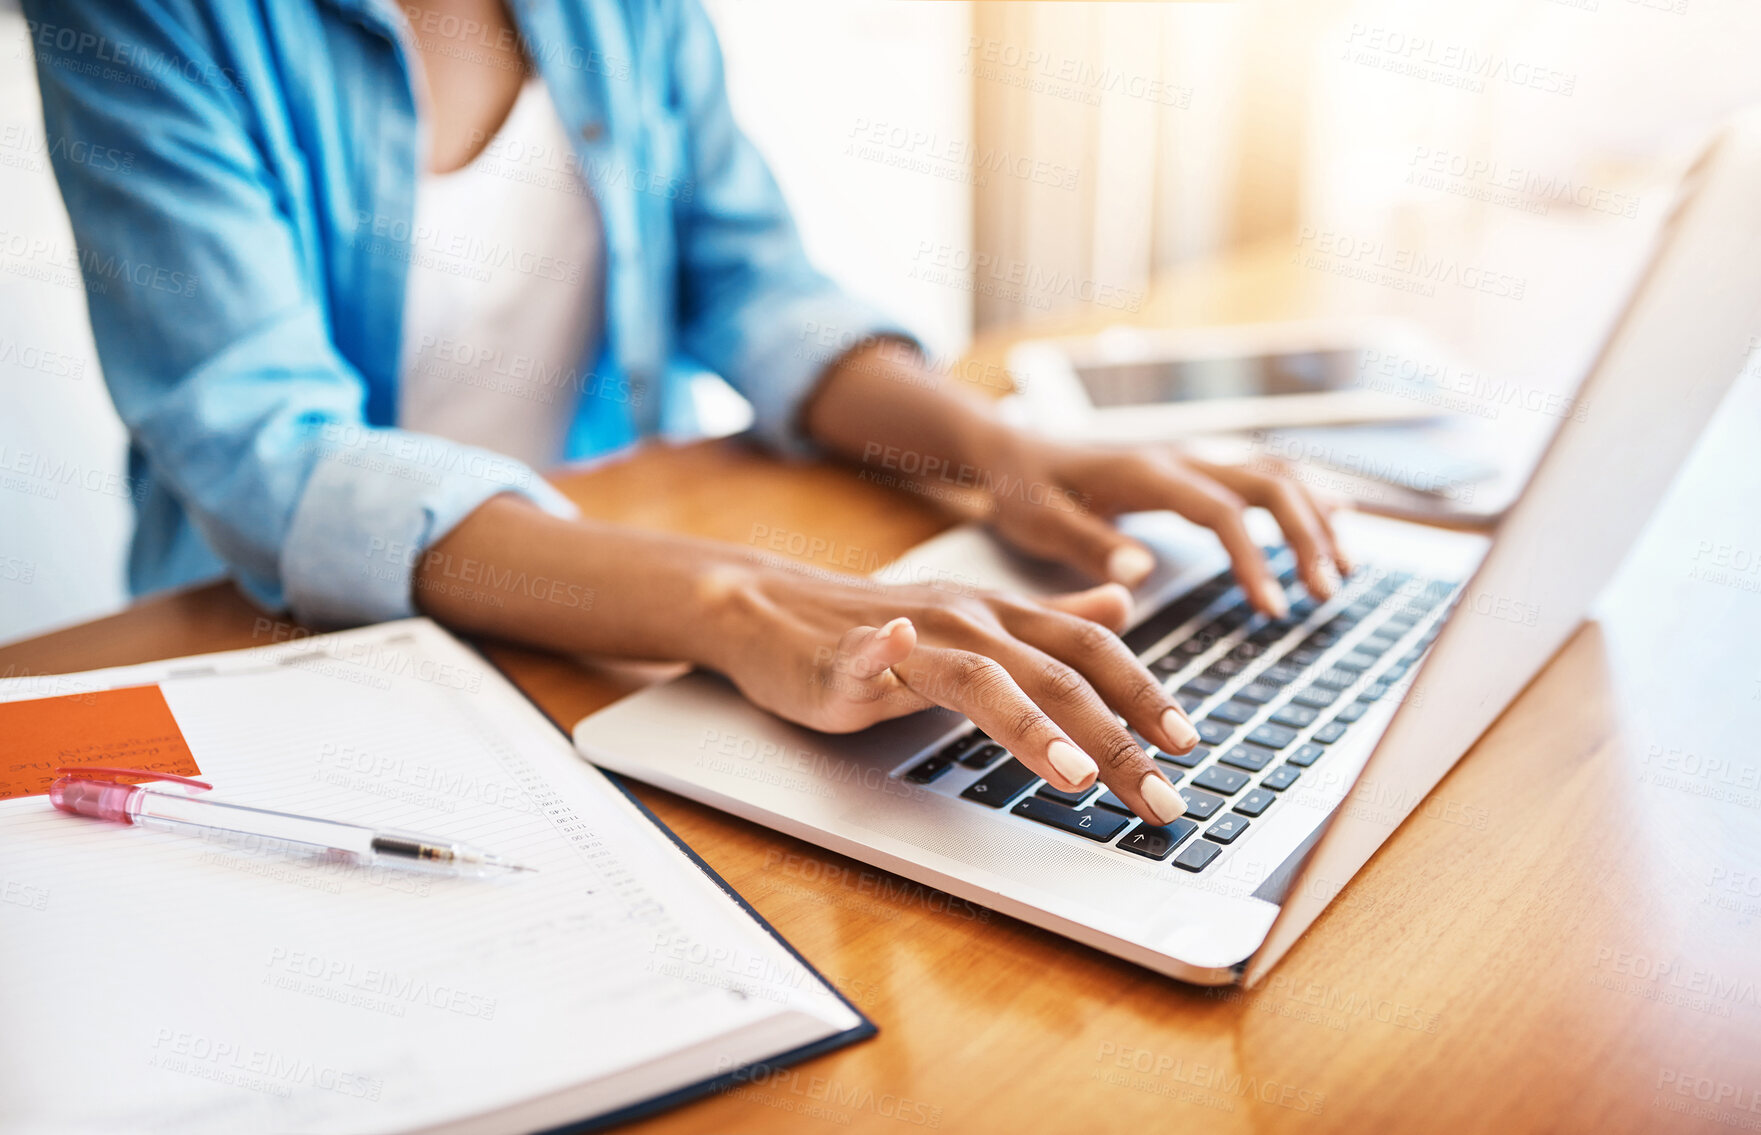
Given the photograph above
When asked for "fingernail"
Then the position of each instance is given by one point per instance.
(1177, 727)
(1327, 579)
(1130, 564)
(886, 632)
(1124, 593)
(1161, 799)
(1074, 765)
(1272, 599)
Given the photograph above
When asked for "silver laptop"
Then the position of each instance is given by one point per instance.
(1379, 690)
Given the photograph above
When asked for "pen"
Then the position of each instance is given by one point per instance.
(95, 791)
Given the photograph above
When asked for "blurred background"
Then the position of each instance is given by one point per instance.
(972, 166)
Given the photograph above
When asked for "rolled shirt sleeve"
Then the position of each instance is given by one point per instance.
(373, 503)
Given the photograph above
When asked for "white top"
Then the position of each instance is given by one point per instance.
(504, 306)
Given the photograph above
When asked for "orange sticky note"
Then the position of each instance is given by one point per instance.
(131, 727)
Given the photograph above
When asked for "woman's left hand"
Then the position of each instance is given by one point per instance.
(1059, 500)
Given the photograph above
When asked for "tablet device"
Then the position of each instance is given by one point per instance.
(1134, 385)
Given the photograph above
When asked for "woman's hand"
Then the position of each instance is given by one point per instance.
(1074, 492)
(878, 407)
(1048, 681)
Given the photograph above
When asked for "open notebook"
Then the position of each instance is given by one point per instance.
(160, 981)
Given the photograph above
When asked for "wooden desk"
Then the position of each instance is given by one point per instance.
(1567, 930)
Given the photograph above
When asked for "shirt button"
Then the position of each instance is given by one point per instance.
(591, 131)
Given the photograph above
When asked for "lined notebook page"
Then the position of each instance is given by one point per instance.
(163, 980)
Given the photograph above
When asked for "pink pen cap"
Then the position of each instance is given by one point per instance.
(97, 791)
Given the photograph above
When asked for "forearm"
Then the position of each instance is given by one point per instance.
(879, 407)
(510, 570)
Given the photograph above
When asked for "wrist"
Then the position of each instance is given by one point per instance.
(723, 619)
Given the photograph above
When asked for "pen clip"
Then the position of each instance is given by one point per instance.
(115, 775)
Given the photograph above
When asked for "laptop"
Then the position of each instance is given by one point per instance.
(1322, 731)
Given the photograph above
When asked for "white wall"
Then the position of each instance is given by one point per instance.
(808, 79)
(64, 513)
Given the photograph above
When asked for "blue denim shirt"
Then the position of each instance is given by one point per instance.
(241, 181)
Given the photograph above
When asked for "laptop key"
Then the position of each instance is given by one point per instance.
(931, 769)
(1226, 829)
(983, 755)
(1223, 668)
(1001, 785)
(1280, 675)
(1184, 760)
(1155, 842)
(1278, 779)
(1272, 736)
(1271, 632)
(1304, 656)
(1233, 619)
(1112, 802)
(1255, 802)
(1357, 661)
(1249, 757)
(1245, 651)
(1258, 693)
(1334, 678)
(1200, 805)
(1188, 702)
(1214, 732)
(1159, 625)
(1296, 716)
(1219, 779)
(1197, 856)
(1089, 822)
(1330, 732)
(1306, 755)
(1235, 712)
(1352, 712)
(1203, 686)
(1068, 799)
(1316, 697)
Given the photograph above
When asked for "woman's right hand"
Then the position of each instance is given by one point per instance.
(1047, 680)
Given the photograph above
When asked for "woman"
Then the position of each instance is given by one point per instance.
(314, 280)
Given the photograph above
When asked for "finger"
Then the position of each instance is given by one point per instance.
(869, 653)
(979, 687)
(1084, 541)
(856, 683)
(1206, 501)
(1066, 695)
(1327, 503)
(1323, 503)
(1123, 682)
(1296, 515)
(1109, 605)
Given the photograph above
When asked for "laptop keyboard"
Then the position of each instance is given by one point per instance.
(1268, 696)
